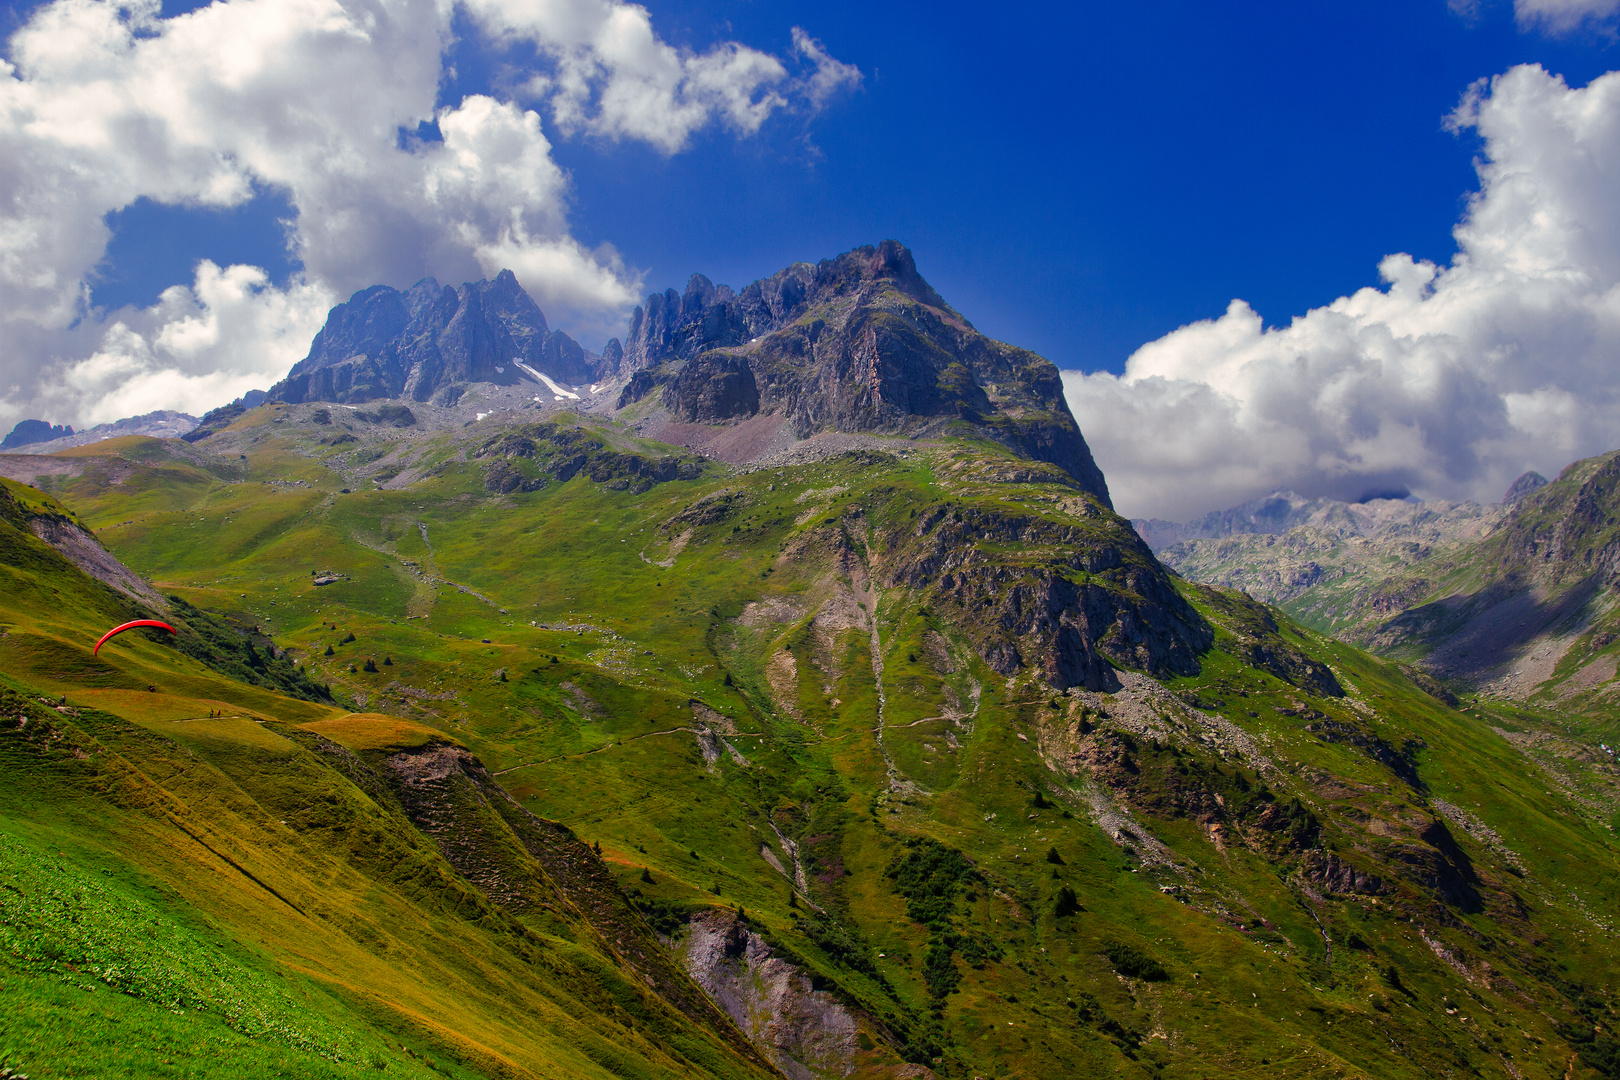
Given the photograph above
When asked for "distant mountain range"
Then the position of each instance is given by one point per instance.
(1281, 511)
(40, 437)
(30, 432)
(1513, 600)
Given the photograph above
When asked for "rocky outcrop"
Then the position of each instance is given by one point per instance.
(80, 547)
(858, 343)
(523, 459)
(807, 1033)
(715, 391)
(678, 326)
(1085, 599)
(385, 343)
(1326, 870)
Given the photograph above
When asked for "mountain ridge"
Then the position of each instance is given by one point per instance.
(856, 344)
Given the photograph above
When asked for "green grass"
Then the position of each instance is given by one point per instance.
(611, 659)
(80, 945)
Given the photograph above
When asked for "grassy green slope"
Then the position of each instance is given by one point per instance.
(1368, 885)
(188, 887)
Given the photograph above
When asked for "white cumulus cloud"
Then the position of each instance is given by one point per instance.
(1447, 380)
(168, 356)
(105, 103)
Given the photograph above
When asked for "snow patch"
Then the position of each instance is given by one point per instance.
(560, 391)
(480, 416)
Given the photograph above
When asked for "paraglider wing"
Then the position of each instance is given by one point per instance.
(115, 631)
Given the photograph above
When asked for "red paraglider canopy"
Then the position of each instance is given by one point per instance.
(115, 631)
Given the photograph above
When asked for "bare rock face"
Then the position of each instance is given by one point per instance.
(805, 1032)
(385, 343)
(87, 553)
(1084, 600)
(716, 391)
(858, 343)
(80, 547)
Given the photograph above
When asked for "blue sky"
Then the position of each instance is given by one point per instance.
(1080, 179)
(1076, 178)
(1083, 178)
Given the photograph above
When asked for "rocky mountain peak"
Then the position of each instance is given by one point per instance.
(678, 326)
(388, 343)
(855, 343)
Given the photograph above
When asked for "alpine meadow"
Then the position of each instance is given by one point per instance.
(777, 693)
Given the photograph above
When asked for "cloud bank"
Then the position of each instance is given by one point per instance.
(1449, 380)
(325, 101)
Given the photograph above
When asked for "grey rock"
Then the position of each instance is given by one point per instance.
(612, 359)
(1271, 514)
(713, 390)
(857, 343)
(807, 1033)
(422, 342)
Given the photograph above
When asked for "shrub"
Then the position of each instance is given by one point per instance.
(1132, 963)
(1066, 903)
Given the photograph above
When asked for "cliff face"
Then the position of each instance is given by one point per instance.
(385, 343)
(856, 343)
(1080, 599)
(807, 1033)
